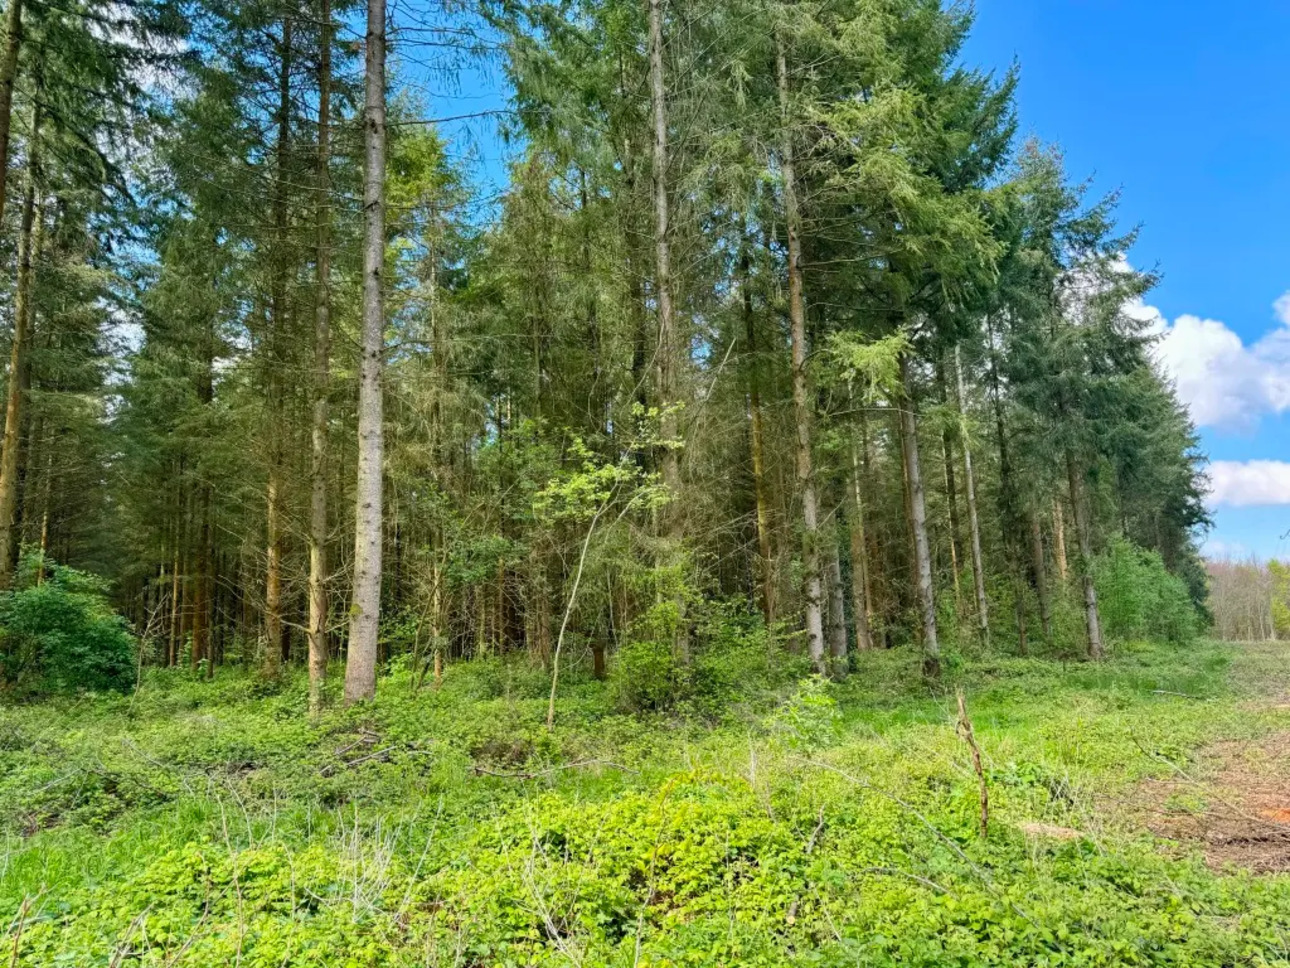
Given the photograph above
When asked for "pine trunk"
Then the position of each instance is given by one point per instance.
(275, 641)
(861, 596)
(837, 608)
(8, 78)
(365, 611)
(19, 371)
(974, 520)
(1039, 576)
(665, 357)
(918, 523)
(1059, 539)
(317, 629)
(801, 391)
(766, 564)
(1092, 619)
(951, 492)
(172, 652)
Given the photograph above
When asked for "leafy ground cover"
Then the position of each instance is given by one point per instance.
(195, 823)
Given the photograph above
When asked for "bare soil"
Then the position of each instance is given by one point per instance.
(1235, 800)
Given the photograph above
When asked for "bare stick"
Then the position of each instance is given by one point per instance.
(969, 736)
(791, 917)
(564, 622)
(17, 935)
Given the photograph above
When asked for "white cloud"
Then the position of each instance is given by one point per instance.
(1282, 308)
(1251, 483)
(1223, 381)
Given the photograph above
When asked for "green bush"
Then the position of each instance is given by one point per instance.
(733, 658)
(61, 635)
(1140, 599)
(647, 677)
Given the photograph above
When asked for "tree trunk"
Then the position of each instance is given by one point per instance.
(275, 641)
(951, 491)
(8, 77)
(202, 647)
(918, 522)
(665, 357)
(24, 314)
(322, 379)
(1059, 539)
(172, 652)
(766, 564)
(46, 500)
(365, 611)
(861, 596)
(1092, 619)
(801, 394)
(1009, 512)
(974, 521)
(837, 609)
(1040, 577)
(201, 591)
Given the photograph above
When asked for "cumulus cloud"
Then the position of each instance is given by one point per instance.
(1250, 483)
(1225, 382)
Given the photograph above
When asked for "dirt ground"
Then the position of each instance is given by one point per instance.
(1234, 799)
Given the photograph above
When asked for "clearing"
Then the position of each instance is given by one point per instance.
(1138, 816)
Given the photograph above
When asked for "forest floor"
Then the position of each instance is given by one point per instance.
(1139, 815)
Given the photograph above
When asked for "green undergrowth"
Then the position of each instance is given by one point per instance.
(197, 823)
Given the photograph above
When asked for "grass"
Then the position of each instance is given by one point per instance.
(198, 823)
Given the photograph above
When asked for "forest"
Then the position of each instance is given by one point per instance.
(606, 568)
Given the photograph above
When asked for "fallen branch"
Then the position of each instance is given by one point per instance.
(896, 871)
(525, 775)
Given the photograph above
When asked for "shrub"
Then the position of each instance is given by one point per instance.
(1140, 598)
(647, 677)
(61, 635)
(734, 657)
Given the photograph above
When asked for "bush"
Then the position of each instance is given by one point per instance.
(61, 635)
(1140, 599)
(734, 657)
(647, 677)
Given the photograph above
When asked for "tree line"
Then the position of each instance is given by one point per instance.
(776, 321)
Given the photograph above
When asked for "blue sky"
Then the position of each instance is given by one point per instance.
(1184, 106)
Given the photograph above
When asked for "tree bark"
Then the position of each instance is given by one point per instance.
(918, 522)
(8, 77)
(861, 595)
(665, 357)
(46, 499)
(24, 314)
(275, 641)
(1092, 620)
(766, 564)
(202, 590)
(365, 611)
(1040, 577)
(974, 520)
(837, 609)
(322, 378)
(1059, 539)
(951, 491)
(172, 652)
(801, 391)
